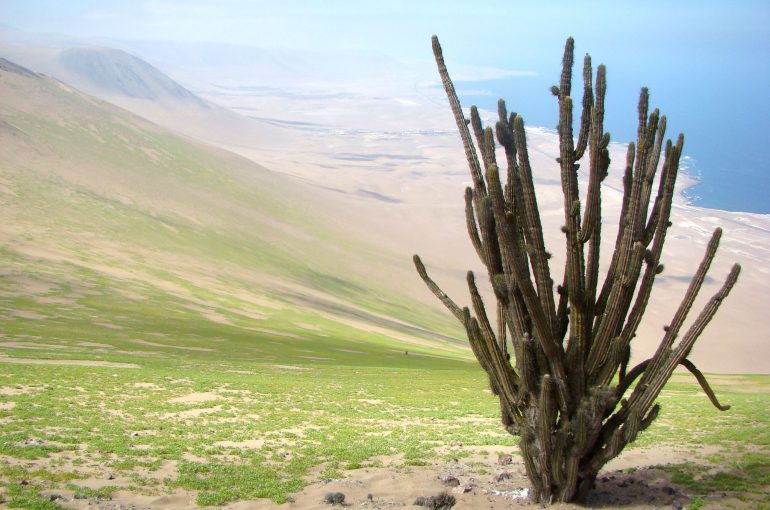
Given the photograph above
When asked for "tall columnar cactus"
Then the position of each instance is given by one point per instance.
(559, 361)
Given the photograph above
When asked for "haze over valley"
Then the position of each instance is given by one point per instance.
(365, 147)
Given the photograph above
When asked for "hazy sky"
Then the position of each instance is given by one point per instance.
(400, 27)
(707, 63)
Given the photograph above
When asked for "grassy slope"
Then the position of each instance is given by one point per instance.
(115, 230)
(121, 242)
(259, 430)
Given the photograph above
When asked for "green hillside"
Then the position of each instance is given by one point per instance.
(120, 239)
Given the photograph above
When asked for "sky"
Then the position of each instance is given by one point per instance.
(707, 63)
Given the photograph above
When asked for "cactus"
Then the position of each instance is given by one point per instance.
(558, 358)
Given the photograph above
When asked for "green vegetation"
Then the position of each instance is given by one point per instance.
(240, 429)
(228, 356)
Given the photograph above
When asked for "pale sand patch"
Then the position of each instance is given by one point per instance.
(9, 391)
(372, 401)
(210, 314)
(192, 413)
(249, 443)
(26, 314)
(275, 333)
(308, 326)
(108, 325)
(289, 367)
(94, 344)
(195, 398)
(170, 346)
(31, 345)
(7, 406)
(146, 385)
(73, 362)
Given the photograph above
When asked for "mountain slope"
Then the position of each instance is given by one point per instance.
(127, 81)
(116, 232)
(114, 71)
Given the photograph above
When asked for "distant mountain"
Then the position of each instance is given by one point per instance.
(116, 229)
(130, 82)
(10, 67)
(110, 71)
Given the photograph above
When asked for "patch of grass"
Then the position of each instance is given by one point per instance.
(80, 492)
(28, 496)
(749, 473)
(222, 483)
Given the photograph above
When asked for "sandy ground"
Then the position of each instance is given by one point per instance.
(385, 159)
(392, 160)
(487, 479)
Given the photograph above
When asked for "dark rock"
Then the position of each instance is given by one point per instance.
(449, 480)
(503, 476)
(334, 498)
(678, 505)
(24, 482)
(443, 501)
(369, 497)
(54, 497)
(669, 490)
(505, 459)
(134, 434)
(464, 488)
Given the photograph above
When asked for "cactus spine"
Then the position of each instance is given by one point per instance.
(559, 362)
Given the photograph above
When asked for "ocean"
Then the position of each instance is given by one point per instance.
(726, 124)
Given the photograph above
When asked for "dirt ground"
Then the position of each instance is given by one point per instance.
(483, 480)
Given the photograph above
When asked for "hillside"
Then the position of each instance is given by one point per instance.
(120, 236)
(132, 83)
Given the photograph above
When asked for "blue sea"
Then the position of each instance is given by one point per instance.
(725, 119)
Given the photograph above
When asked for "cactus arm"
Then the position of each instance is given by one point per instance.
(462, 127)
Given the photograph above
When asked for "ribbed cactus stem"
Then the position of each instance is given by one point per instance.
(555, 386)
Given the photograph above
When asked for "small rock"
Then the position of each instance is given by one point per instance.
(678, 505)
(108, 476)
(462, 489)
(505, 459)
(456, 443)
(24, 482)
(334, 498)
(503, 476)
(449, 480)
(443, 501)
(134, 434)
(669, 490)
(54, 497)
(624, 483)
(369, 497)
